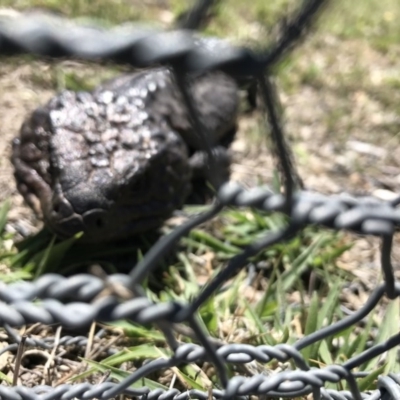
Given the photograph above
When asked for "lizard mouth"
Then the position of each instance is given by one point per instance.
(95, 227)
(99, 225)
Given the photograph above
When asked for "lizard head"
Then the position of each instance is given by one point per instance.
(115, 162)
(99, 165)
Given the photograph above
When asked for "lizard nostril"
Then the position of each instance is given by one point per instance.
(61, 208)
(95, 219)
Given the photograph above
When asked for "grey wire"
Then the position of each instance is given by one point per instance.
(72, 302)
(194, 17)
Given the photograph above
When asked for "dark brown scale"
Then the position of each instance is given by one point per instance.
(118, 161)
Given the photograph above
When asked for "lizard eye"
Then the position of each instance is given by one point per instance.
(160, 136)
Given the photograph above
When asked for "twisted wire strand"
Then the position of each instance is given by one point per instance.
(335, 212)
(139, 45)
(285, 384)
(47, 342)
(366, 215)
(142, 46)
(164, 311)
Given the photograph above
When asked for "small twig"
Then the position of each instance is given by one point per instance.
(106, 346)
(173, 380)
(20, 352)
(32, 328)
(72, 373)
(81, 366)
(46, 372)
(89, 343)
(35, 372)
(104, 377)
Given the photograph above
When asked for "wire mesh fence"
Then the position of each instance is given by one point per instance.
(74, 302)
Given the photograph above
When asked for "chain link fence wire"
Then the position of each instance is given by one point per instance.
(74, 302)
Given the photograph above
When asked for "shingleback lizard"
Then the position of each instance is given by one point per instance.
(118, 161)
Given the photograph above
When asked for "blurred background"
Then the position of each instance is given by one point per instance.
(340, 88)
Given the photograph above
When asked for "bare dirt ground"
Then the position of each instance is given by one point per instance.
(340, 116)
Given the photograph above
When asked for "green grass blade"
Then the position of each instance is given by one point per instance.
(4, 209)
(368, 383)
(310, 352)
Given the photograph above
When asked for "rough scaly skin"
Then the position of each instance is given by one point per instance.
(118, 161)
